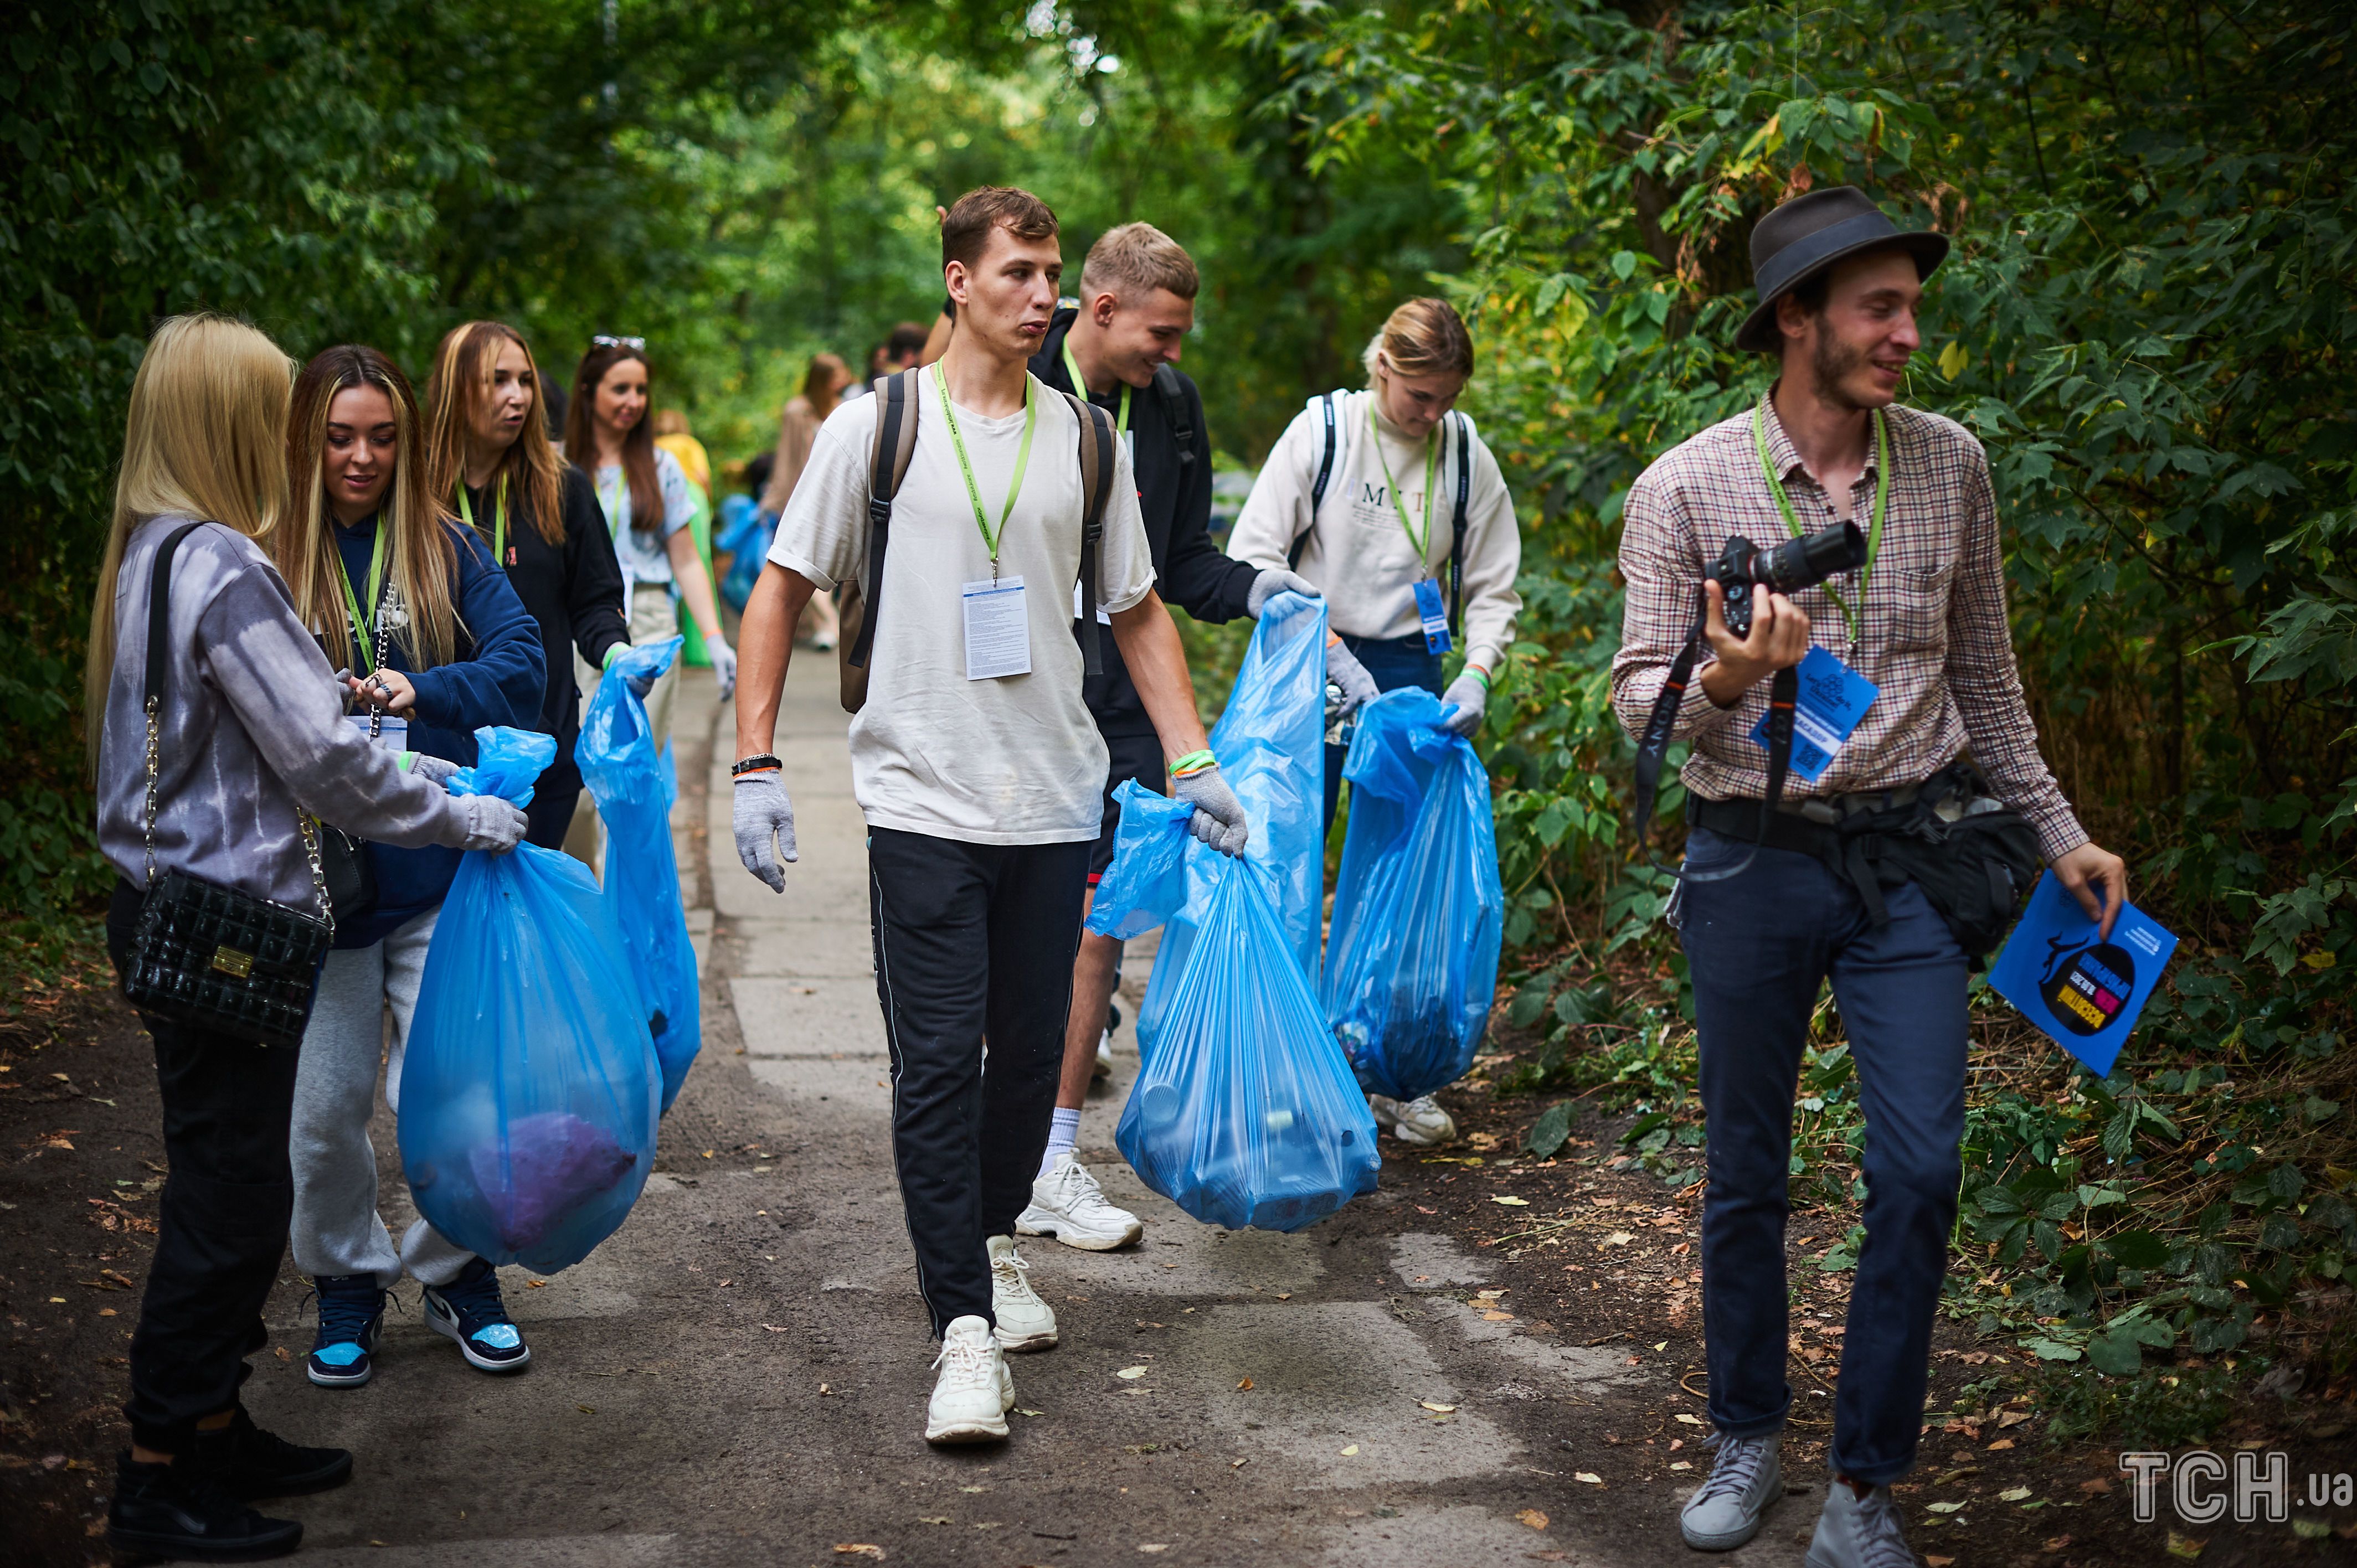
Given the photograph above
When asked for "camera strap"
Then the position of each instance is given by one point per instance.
(1653, 748)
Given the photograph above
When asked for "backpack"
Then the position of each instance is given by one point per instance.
(1457, 531)
(887, 466)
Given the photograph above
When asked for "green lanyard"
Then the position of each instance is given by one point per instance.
(973, 491)
(1431, 467)
(1793, 524)
(1072, 368)
(499, 521)
(621, 499)
(362, 626)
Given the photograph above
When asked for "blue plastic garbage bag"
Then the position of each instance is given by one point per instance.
(529, 1094)
(1412, 961)
(740, 515)
(1270, 741)
(633, 786)
(752, 552)
(1245, 1112)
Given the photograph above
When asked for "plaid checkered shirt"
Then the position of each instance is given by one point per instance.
(1936, 640)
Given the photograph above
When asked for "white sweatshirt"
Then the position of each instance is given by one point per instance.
(1358, 553)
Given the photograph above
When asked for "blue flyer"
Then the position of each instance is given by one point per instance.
(2086, 992)
(1833, 698)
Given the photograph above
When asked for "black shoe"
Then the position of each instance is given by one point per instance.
(248, 1463)
(159, 1511)
(469, 1311)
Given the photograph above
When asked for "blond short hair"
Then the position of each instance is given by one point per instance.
(1425, 336)
(1137, 259)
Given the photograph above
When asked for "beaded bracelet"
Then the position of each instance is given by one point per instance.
(1193, 762)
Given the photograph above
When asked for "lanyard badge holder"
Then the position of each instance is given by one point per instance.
(1839, 695)
(501, 555)
(1431, 612)
(997, 624)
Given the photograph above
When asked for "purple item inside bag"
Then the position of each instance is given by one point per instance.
(553, 1163)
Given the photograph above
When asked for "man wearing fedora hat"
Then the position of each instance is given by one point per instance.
(1925, 621)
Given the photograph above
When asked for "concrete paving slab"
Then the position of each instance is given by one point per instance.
(813, 1018)
(804, 949)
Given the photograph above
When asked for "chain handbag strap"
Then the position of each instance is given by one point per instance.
(310, 829)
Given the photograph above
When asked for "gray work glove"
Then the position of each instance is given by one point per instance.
(492, 824)
(432, 770)
(1470, 696)
(1343, 670)
(764, 822)
(724, 666)
(641, 682)
(1219, 818)
(1276, 580)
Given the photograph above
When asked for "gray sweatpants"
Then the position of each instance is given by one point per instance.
(336, 1229)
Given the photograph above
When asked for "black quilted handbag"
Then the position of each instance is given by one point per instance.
(209, 956)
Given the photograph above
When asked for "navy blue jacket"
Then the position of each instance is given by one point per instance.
(498, 677)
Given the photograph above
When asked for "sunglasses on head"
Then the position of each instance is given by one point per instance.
(603, 341)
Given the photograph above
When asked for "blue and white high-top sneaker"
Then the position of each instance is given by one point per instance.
(352, 1317)
(469, 1311)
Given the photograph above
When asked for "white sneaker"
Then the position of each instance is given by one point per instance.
(1025, 1322)
(1068, 1204)
(1420, 1122)
(974, 1390)
(1104, 1056)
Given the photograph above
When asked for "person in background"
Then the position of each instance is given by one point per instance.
(552, 403)
(1379, 541)
(643, 492)
(823, 384)
(250, 738)
(491, 460)
(391, 585)
(672, 436)
(1119, 347)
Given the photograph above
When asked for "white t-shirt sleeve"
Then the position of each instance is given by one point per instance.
(672, 480)
(823, 534)
(1125, 558)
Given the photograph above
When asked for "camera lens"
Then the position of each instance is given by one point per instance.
(1803, 563)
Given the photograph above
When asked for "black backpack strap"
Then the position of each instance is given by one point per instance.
(1173, 393)
(1457, 534)
(896, 443)
(1096, 485)
(1318, 488)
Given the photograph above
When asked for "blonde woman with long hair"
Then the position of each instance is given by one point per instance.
(1388, 501)
(251, 734)
(391, 584)
(823, 384)
(491, 460)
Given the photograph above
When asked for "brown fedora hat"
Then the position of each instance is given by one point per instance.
(1809, 234)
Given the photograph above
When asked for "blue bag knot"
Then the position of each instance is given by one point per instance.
(508, 762)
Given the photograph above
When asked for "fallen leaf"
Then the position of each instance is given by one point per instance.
(1285, 1296)
(775, 1327)
(854, 1548)
(878, 1550)
(284, 1354)
(2059, 1544)
(2185, 1546)
(973, 1489)
(1662, 1345)
(1245, 1385)
(1437, 1409)
(1422, 1209)
(1619, 1239)
(1687, 1420)
(1021, 1410)
(1512, 1202)
(1680, 1465)
(1132, 1373)
(2310, 1529)
(1947, 1507)
(2000, 1445)
(1351, 1451)
(1238, 1463)
(1497, 1318)
(2013, 1494)
(1937, 1562)
(935, 1518)
(1154, 1546)
(2100, 1487)
(1590, 1477)
(584, 1410)
(534, 1284)
(1533, 1517)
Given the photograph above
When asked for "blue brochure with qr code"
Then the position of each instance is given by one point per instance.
(2084, 992)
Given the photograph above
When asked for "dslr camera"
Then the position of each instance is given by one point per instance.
(1787, 568)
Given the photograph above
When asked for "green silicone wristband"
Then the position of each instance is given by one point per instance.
(1193, 762)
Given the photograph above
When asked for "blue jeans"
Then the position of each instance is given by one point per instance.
(1392, 663)
(1759, 945)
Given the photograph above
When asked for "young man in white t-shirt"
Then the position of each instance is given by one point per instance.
(977, 764)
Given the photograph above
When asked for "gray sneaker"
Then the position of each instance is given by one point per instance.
(1859, 1533)
(1726, 1511)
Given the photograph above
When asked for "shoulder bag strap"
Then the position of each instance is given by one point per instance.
(1097, 469)
(1318, 488)
(896, 443)
(1182, 422)
(159, 644)
(1456, 534)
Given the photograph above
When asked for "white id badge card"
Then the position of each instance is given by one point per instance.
(1434, 617)
(997, 631)
(393, 735)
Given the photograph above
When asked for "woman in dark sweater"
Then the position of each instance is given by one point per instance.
(395, 589)
(489, 454)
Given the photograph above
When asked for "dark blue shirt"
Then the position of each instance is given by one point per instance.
(498, 677)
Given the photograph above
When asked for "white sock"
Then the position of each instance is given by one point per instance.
(1064, 1132)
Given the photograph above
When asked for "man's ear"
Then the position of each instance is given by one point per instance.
(954, 279)
(1101, 308)
(1792, 318)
